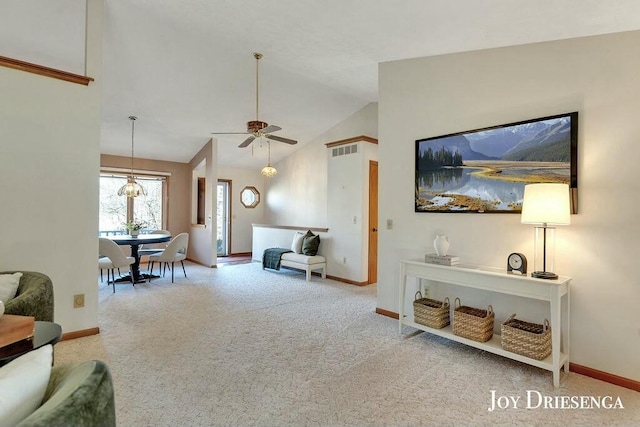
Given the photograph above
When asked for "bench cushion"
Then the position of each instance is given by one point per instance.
(303, 259)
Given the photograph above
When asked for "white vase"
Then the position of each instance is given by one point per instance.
(134, 233)
(441, 244)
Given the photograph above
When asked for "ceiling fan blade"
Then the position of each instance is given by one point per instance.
(281, 139)
(247, 142)
(229, 133)
(271, 128)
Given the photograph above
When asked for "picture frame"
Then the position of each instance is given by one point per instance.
(485, 170)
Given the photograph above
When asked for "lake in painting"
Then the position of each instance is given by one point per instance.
(484, 186)
(486, 170)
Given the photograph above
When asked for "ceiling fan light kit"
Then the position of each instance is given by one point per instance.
(269, 171)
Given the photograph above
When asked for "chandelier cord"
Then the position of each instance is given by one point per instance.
(132, 188)
(133, 123)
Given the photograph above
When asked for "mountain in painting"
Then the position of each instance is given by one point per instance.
(496, 142)
(552, 144)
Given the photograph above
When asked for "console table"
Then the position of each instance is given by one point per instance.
(501, 282)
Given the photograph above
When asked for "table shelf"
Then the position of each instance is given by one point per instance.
(552, 291)
(494, 345)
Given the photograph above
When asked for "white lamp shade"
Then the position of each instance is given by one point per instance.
(546, 204)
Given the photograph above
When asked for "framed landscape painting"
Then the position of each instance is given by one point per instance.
(485, 170)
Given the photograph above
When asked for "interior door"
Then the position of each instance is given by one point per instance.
(224, 215)
(373, 222)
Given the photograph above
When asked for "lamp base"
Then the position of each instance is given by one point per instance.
(544, 275)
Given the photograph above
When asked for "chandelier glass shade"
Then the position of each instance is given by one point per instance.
(269, 171)
(132, 188)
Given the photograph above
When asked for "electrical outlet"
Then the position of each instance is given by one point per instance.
(344, 260)
(389, 224)
(426, 292)
(78, 301)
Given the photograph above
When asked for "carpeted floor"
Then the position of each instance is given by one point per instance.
(239, 346)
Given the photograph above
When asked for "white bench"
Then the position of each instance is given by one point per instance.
(304, 262)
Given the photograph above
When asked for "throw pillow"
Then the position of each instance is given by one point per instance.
(296, 245)
(310, 245)
(23, 382)
(9, 286)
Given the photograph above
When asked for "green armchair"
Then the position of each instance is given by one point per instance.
(34, 296)
(77, 395)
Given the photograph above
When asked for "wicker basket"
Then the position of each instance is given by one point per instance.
(431, 313)
(528, 339)
(473, 323)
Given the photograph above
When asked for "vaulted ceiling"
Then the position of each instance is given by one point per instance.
(186, 67)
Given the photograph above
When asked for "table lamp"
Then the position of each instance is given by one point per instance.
(545, 205)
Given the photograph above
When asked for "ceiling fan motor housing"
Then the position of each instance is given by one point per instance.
(255, 126)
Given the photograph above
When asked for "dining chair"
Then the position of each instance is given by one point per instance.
(176, 250)
(112, 257)
(153, 248)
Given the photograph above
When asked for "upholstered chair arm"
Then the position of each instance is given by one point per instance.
(34, 296)
(77, 395)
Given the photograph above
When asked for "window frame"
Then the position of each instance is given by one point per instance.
(256, 195)
(142, 175)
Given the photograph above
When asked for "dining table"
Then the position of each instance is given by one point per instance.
(135, 242)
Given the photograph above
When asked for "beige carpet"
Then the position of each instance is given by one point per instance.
(239, 346)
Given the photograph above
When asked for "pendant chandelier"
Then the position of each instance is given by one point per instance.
(269, 171)
(132, 188)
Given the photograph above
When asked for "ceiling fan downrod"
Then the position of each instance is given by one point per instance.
(255, 126)
(257, 56)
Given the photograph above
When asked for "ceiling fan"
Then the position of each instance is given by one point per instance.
(257, 128)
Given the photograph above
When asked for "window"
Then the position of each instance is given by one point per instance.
(202, 186)
(116, 210)
(249, 197)
(200, 206)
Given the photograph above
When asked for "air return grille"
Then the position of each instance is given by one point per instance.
(344, 150)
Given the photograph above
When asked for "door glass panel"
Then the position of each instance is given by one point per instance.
(223, 218)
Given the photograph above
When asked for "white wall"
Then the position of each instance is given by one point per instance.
(202, 240)
(348, 208)
(241, 217)
(49, 168)
(298, 194)
(596, 76)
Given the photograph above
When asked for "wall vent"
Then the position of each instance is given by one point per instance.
(342, 151)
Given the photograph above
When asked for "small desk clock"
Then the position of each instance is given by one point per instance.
(517, 262)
